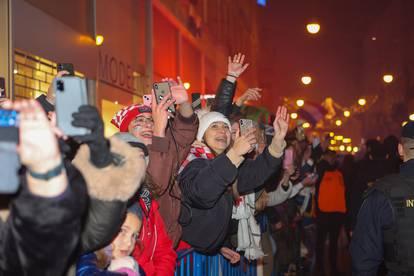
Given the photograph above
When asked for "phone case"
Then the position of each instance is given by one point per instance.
(245, 125)
(70, 95)
(147, 99)
(162, 89)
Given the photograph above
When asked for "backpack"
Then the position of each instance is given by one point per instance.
(331, 196)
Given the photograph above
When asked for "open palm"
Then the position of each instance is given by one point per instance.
(281, 123)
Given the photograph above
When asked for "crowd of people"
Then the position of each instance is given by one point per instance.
(125, 205)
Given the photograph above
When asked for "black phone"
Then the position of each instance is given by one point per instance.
(9, 158)
(66, 67)
(196, 101)
(2, 88)
(161, 90)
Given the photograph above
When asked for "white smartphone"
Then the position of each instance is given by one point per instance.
(70, 93)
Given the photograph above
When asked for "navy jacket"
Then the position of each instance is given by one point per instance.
(208, 206)
(375, 215)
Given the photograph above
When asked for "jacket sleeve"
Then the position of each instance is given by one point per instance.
(109, 190)
(223, 102)
(41, 233)
(161, 152)
(279, 195)
(164, 256)
(203, 181)
(366, 247)
(254, 173)
(86, 266)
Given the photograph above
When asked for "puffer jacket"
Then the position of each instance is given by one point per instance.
(154, 253)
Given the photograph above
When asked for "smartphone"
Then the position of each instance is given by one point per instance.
(9, 158)
(288, 159)
(66, 67)
(147, 99)
(245, 125)
(196, 101)
(70, 95)
(161, 90)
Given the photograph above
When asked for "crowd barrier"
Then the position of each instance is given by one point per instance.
(191, 263)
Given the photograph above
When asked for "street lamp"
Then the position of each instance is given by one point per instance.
(338, 122)
(294, 116)
(306, 80)
(313, 28)
(388, 78)
(99, 39)
(362, 102)
(355, 149)
(300, 102)
(411, 117)
(347, 113)
(342, 148)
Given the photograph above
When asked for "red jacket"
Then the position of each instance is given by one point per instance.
(154, 253)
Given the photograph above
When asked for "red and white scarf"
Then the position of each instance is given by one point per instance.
(197, 150)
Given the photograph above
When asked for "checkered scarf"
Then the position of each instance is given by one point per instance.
(197, 150)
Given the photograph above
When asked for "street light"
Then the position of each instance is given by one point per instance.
(294, 116)
(306, 80)
(300, 102)
(331, 134)
(313, 28)
(348, 148)
(347, 113)
(338, 122)
(411, 117)
(388, 78)
(355, 149)
(306, 125)
(362, 102)
(342, 148)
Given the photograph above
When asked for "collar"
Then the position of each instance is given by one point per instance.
(407, 168)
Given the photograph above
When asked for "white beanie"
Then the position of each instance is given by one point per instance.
(207, 119)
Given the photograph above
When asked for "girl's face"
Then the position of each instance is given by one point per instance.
(124, 243)
(142, 127)
(217, 137)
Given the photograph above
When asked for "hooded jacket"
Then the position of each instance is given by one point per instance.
(154, 253)
(204, 183)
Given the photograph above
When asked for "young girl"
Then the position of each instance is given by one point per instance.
(114, 259)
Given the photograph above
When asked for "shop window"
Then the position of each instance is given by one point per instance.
(32, 75)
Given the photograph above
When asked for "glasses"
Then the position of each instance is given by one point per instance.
(143, 121)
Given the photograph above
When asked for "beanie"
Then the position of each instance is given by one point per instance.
(124, 116)
(207, 119)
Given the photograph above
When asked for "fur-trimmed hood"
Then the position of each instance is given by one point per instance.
(115, 182)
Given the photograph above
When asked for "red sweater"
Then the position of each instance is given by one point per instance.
(154, 253)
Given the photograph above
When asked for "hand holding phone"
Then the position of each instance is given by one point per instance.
(245, 126)
(162, 90)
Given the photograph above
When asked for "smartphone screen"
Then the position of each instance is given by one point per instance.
(66, 67)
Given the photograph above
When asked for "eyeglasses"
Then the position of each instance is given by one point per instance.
(143, 121)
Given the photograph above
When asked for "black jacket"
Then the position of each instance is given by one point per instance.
(208, 206)
(41, 234)
(375, 215)
(223, 102)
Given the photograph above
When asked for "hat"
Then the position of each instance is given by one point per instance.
(124, 116)
(408, 130)
(134, 142)
(207, 119)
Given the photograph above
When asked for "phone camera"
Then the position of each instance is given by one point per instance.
(156, 86)
(60, 86)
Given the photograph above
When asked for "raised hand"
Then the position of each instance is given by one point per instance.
(251, 94)
(178, 91)
(160, 114)
(281, 123)
(235, 66)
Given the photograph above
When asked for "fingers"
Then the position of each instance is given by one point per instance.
(229, 59)
(154, 100)
(245, 67)
(62, 73)
(242, 59)
(180, 82)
